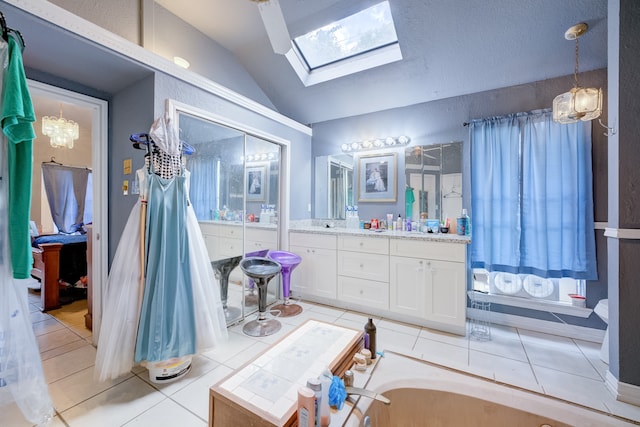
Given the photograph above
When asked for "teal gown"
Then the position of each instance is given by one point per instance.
(167, 326)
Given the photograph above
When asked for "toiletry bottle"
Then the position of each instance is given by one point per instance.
(370, 329)
(325, 414)
(399, 223)
(315, 385)
(306, 407)
(408, 224)
(467, 230)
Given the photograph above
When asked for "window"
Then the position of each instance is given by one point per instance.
(532, 206)
(358, 42)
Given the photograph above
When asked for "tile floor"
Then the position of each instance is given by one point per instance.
(560, 367)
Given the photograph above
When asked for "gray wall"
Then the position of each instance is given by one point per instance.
(130, 111)
(624, 180)
(442, 121)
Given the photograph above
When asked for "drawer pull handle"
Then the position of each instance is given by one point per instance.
(361, 243)
(361, 292)
(361, 265)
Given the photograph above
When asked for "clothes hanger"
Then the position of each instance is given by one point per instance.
(144, 138)
(53, 160)
(6, 31)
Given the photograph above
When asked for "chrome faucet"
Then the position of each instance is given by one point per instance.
(357, 391)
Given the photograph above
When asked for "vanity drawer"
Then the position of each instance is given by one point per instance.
(363, 292)
(363, 266)
(227, 247)
(311, 240)
(371, 245)
(209, 228)
(230, 231)
(427, 249)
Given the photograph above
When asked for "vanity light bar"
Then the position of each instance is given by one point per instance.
(374, 144)
(261, 157)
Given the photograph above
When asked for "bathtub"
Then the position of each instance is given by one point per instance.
(423, 394)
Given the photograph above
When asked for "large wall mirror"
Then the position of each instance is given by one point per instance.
(235, 193)
(434, 172)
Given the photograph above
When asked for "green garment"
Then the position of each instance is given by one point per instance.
(409, 198)
(17, 124)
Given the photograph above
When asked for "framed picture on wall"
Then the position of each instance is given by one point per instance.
(256, 183)
(377, 176)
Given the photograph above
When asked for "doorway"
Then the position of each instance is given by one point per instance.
(90, 150)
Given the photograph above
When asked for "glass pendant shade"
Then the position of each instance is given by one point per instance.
(577, 104)
(62, 132)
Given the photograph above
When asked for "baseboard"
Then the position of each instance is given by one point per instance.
(537, 325)
(627, 393)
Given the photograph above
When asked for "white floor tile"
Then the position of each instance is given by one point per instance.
(398, 327)
(393, 340)
(500, 346)
(445, 337)
(200, 366)
(73, 345)
(46, 326)
(244, 357)
(115, 406)
(167, 413)
(78, 387)
(442, 353)
(236, 344)
(574, 388)
(195, 397)
(559, 359)
(69, 363)
(55, 339)
(505, 370)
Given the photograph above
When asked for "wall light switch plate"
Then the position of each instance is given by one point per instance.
(127, 166)
(125, 187)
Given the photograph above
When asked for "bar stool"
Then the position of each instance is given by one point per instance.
(252, 299)
(261, 270)
(222, 268)
(289, 262)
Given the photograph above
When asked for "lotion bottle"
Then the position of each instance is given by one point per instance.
(314, 385)
(306, 407)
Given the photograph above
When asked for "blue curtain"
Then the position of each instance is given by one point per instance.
(67, 188)
(532, 200)
(204, 185)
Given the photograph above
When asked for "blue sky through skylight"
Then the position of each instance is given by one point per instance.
(367, 30)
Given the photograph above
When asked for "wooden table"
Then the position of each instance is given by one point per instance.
(263, 392)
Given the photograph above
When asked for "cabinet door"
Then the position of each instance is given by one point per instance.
(446, 297)
(317, 272)
(408, 286)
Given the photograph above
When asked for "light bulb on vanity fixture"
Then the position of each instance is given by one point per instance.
(375, 144)
(579, 103)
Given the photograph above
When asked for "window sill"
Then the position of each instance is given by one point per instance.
(533, 304)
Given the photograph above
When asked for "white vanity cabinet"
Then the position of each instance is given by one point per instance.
(428, 281)
(258, 239)
(315, 276)
(363, 271)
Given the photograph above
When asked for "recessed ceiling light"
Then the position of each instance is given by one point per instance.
(181, 62)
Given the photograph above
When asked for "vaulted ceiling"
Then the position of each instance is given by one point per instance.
(449, 48)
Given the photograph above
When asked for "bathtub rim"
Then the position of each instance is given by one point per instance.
(443, 378)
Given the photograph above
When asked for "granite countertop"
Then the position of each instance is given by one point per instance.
(409, 235)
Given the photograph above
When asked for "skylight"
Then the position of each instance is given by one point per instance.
(362, 32)
(361, 41)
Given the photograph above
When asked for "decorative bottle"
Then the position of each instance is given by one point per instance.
(370, 329)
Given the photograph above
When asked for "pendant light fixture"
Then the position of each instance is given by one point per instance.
(62, 132)
(579, 103)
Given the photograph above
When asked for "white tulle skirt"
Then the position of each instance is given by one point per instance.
(119, 325)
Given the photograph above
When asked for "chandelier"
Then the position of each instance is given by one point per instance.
(579, 103)
(62, 132)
